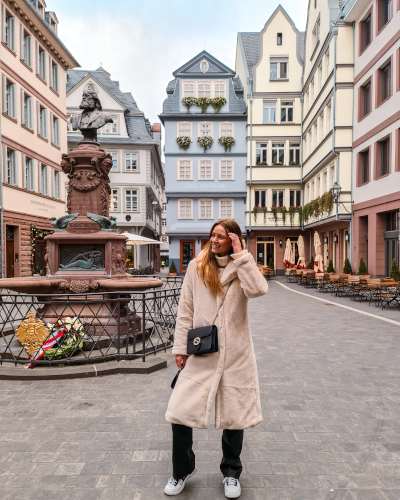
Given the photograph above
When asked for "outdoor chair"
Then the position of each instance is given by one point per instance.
(390, 297)
(291, 276)
(310, 280)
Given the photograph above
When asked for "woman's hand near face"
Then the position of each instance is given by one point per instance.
(180, 360)
(236, 245)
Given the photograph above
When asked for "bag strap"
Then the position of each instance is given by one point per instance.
(215, 317)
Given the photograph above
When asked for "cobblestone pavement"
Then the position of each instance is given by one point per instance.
(330, 388)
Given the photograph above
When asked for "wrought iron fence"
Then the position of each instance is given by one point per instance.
(71, 329)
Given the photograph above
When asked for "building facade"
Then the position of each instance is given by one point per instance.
(376, 135)
(203, 184)
(164, 247)
(33, 132)
(270, 65)
(327, 128)
(137, 177)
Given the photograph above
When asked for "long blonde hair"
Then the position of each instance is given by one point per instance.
(207, 267)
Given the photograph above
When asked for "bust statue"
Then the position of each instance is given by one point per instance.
(91, 118)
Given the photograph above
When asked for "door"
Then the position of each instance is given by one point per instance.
(265, 250)
(10, 252)
(40, 251)
(391, 252)
(187, 254)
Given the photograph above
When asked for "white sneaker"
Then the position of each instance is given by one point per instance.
(174, 486)
(232, 487)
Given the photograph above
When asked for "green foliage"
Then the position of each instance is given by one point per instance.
(326, 203)
(347, 267)
(205, 142)
(301, 216)
(362, 268)
(271, 263)
(306, 213)
(330, 268)
(265, 214)
(311, 264)
(227, 142)
(204, 102)
(189, 101)
(217, 103)
(255, 213)
(394, 272)
(172, 267)
(275, 214)
(284, 211)
(184, 142)
(291, 216)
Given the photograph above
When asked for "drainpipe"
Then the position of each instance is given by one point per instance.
(1, 206)
(334, 31)
(352, 159)
(250, 84)
(301, 156)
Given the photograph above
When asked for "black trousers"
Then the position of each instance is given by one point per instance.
(183, 459)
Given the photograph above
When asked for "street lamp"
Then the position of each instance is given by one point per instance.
(335, 191)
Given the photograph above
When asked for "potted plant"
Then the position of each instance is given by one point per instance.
(217, 103)
(347, 267)
(271, 263)
(394, 272)
(330, 268)
(189, 101)
(275, 214)
(277, 163)
(255, 213)
(300, 210)
(362, 268)
(205, 142)
(227, 142)
(291, 216)
(172, 269)
(311, 264)
(284, 211)
(184, 142)
(265, 214)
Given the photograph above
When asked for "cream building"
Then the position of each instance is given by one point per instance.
(327, 127)
(270, 65)
(376, 137)
(33, 132)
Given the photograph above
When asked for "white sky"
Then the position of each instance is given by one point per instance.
(142, 43)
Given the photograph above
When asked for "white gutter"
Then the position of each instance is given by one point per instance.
(250, 84)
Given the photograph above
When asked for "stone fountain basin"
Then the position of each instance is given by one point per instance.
(42, 285)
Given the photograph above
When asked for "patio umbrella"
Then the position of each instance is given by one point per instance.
(318, 261)
(301, 264)
(135, 239)
(288, 258)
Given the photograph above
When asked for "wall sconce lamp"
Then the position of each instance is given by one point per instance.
(347, 238)
(326, 239)
(335, 239)
(280, 243)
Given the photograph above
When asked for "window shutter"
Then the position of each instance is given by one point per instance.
(24, 184)
(38, 116)
(33, 179)
(14, 104)
(40, 177)
(52, 128)
(57, 80)
(44, 67)
(51, 83)
(13, 27)
(47, 180)
(4, 93)
(22, 42)
(58, 132)
(5, 163)
(37, 58)
(29, 51)
(30, 113)
(22, 108)
(46, 125)
(53, 182)
(15, 169)
(3, 17)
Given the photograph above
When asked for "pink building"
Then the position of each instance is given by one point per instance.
(376, 132)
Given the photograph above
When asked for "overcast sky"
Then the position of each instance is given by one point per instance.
(142, 42)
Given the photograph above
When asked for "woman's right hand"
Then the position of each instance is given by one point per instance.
(180, 360)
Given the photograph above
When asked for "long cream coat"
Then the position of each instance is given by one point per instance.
(229, 375)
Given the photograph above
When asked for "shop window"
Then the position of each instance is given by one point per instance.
(187, 254)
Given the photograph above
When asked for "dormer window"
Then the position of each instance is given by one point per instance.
(204, 66)
(204, 89)
(91, 87)
(188, 89)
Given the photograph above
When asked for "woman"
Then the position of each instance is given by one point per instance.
(228, 376)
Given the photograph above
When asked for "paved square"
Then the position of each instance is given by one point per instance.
(330, 387)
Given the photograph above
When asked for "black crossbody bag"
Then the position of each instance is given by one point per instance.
(204, 340)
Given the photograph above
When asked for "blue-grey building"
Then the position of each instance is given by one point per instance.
(203, 186)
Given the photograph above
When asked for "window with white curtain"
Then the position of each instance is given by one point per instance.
(226, 170)
(42, 121)
(54, 80)
(41, 68)
(44, 179)
(55, 131)
(226, 209)
(27, 110)
(204, 89)
(29, 173)
(11, 166)
(188, 89)
(9, 29)
(184, 129)
(205, 209)
(131, 200)
(219, 89)
(9, 98)
(226, 129)
(185, 170)
(205, 170)
(26, 44)
(185, 209)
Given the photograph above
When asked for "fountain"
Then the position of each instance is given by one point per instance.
(85, 254)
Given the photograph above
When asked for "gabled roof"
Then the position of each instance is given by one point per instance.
(75, 77)
(214, 66)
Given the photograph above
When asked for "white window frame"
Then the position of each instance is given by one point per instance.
(42, 116)
(130, 159)
(55, 130)
(260, 197)
(190, 206)
(26, 46)
(219, 91)
(209, 166)
(114, 192)
(54, 75)
(262, 146)
(187, 92)
(275, 146)
(186, 124)
(204, 82)
(289, 105)
(277, 191)
(211, 129)
(28, 165)
(221, 132)
(220, 201)
(223, 167)
(11, 174)
(132, 195)
(190, 166)
(41, 62)
(57, 177)
(26, 110)
(112, 153)
(278, 61)
(206, 66)
(10, 104)
(294, 146)
(269, 112)
(202, 200)
(9, 29)
(111, 126)
(43, 179)
(90, 83)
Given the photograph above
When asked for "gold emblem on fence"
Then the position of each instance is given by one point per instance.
(32, 333)
(197, 341)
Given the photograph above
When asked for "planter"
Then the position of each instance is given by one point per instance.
(172, 274)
